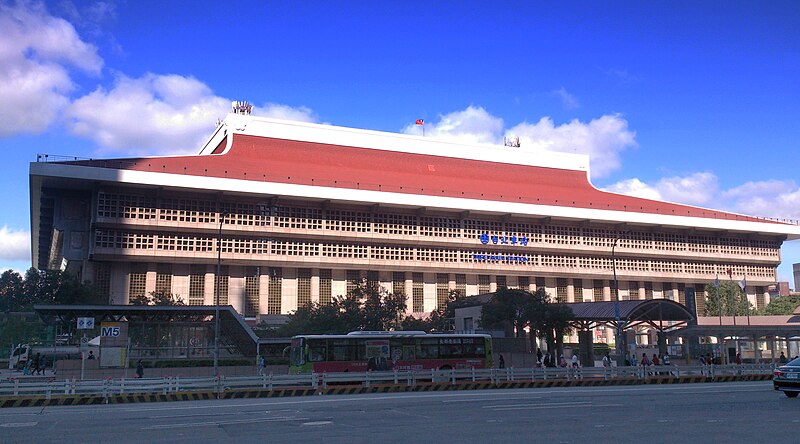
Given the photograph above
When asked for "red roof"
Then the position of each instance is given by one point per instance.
(294, 162)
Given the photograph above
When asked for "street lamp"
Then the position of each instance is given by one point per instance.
(618, 332)
(216, 295)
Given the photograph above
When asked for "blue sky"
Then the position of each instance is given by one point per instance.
(691, 102)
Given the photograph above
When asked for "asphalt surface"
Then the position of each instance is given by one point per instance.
(714, 412)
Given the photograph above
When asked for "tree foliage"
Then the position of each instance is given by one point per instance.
(160, 297)
(783, 305)
(727, 299)
(367, 307)
(509, 310)
(18, 293)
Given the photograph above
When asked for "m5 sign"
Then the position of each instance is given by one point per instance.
(110, 331)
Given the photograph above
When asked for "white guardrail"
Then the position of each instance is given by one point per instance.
(28, 386)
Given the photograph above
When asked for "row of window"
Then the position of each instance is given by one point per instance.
(119, 240)
(190, 210)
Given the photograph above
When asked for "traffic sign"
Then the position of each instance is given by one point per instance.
(85, 323)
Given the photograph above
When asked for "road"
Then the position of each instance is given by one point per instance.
(713, 412)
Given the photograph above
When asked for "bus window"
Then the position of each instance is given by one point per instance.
(316, 352)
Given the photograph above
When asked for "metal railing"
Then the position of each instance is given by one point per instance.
(48, 387)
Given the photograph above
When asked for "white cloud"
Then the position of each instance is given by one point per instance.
(285, 112)
(36, 52)
(152, 114)
(635, 187)
(772, 198)
(15, 245)
(603, 139)
(472, 125)
(699, 189)
(568, 101)
(158, 114)
(695, 189)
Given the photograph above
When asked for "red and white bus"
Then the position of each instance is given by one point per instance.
(362, 351)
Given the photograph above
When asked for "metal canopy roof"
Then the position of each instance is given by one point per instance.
(233, 325)
(661, 314)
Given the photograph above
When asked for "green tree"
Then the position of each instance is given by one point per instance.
(727, 299)
(367, 307)
(783, 305)
(159, 297)
(11, 295)
(509, 310)
(556, 323)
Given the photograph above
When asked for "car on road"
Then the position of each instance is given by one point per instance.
(786, 378)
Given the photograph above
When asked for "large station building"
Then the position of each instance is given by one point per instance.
(304, 211)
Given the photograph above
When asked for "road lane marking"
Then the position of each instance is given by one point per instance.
(18, 424)
(220, 423)
(316, 423)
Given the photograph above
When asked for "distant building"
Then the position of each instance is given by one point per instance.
(779, 289)
(796, 269)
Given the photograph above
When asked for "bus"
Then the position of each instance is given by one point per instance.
(362, 351)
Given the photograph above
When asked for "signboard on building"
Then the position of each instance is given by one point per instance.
(114, 334)
(85, 323)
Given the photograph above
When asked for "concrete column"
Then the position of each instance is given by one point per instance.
(586, 347)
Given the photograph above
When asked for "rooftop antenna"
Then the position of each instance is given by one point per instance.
(512, 142)
(241, 107)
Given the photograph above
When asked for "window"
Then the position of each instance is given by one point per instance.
(418, 293)
(483, 284)
(252, 290)
(303, 287)
(561, 290)
(577, 285)
(221, 286)
(325, 293)
(274, 291)
(197, 285)
(598, 290)
(442, 289)
(399, 282)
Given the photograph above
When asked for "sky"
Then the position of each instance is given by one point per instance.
(683, 101)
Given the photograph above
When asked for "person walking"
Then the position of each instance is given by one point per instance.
(262, 364)
(139, 369)
(501, 362)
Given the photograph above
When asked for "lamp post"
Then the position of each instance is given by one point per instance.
(216, 295)
(618, 332)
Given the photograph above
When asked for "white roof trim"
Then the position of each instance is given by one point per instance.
(403, 143)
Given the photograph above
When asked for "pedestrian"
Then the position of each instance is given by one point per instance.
(645, 360)
(709, 359)
(782, 358)
(574, 361)
(562, 362)
(262, 364)
(546, 361)
(738, 359)
(655, 360)
(139, 369)
(665, 360)
(35, 364)
(606, 360)
(42, 366)
(539, 356)
(501, 362)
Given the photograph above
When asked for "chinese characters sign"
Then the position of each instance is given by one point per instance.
(503, 240)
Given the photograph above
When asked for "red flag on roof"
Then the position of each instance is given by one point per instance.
(419, 122)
